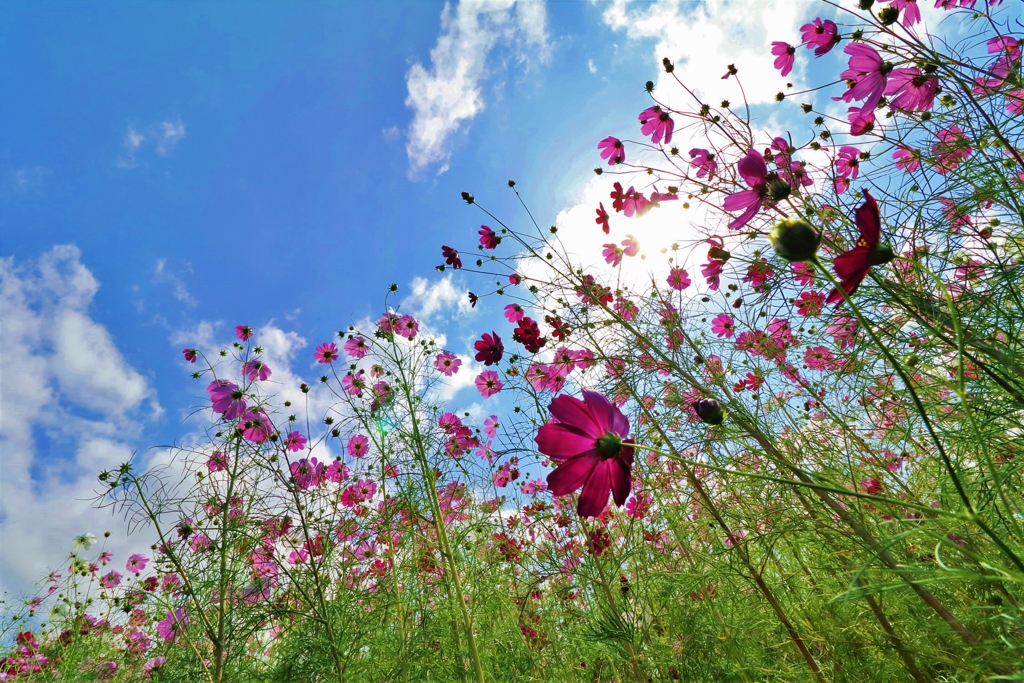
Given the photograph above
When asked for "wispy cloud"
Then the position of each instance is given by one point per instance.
(449, 94)
(164, 136)
(29, 179)
(162, 275)
(63, 376)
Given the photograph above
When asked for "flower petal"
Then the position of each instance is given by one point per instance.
(571, 411)
(595, 492)
(561, 441)
(608, 417)
(868, 221)
(621, 483)
(573, 473)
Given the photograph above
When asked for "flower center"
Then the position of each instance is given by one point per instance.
(609, 446)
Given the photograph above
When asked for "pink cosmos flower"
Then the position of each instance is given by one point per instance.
(326, 352)
(810, 304)
(804, 274)
(841, 184)
(612, 150)
(602, 218)
(307, 473)
(911, 90)
(407, 326)
(612, 255)
(227, 398)
(136, 563)
(908, 160)
(869, 74)
(171, 625)
(586, 437)
(657, 123)
(861, 120)
(952, 148)
(190, 354)
(784, 57)
(488, 384)
(358, 446)
(336, 471)
(723, 325)
(514, 313)
(820, 36)
(755, 172)
(256, 426)
(1009, 53)
(356, 347)
(152, 664)
(911, 12)
(758, 272)
(243, 332)
(678, 279)
(447, 363)
(488, 238)
(704, 162)
(295, 442)
(256, 370)
(110, 580)
(217, 462)
(847, 163)
(630, 246)
(491, 427)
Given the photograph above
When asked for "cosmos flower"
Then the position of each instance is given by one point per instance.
(586, 438)
(853, 266)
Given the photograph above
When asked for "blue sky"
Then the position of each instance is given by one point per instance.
(169, 170)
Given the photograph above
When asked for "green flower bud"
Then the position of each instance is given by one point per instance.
(794, 240)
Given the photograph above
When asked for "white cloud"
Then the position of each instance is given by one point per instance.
(162, 275)
(132, 141)
(64, 377)
(427, 300)
(591, 66)
(164, 135)
(30, 178)
(168, 135)
(702, 39)
(449, 93)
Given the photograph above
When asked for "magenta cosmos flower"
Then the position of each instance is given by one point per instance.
(869, 74)
(488, 238)
(227, 398)
(326, 353)
(356, 347)
(136, 563)
(612, 150)
(785, 55)
(488, 384)
(489, 348)
(256, 370)
(447, 363)
(586, 438)
(657, 123)
(190, 354)
(755, 172)
(820, 36)
(243, 332)
(174, 623)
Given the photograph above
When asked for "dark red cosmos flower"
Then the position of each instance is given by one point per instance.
(488, 238)
(527, 333)
(489, 348)
(853, 266)
(586, 438)
(473, 298)
(451, 257)
(602, 218)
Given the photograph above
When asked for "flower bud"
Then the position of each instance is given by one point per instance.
(889, 16)
(794, 240)
(778, 190)
(717, 254)
(882, 254)
(709, 410)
